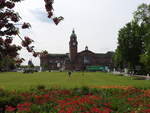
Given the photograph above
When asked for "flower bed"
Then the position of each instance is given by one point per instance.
(84, 100)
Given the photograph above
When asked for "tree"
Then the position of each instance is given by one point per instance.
(117, 59)
(142, 16)
(7, 64)
(133, 41)
(145, 57)
(9, 29)
(129, 46)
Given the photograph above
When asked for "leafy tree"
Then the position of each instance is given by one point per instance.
(117, 59)
(130, 46)
(133, 41)
(7, 64)
(142, 16)
(9, 29)
(145, 57)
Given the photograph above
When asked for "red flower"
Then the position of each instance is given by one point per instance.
(24, 107)
(148, 105)
(95, 110)
(146, 111)
(27, 104)
(130, 99)
(10, 108)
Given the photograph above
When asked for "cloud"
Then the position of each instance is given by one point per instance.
(40, 15)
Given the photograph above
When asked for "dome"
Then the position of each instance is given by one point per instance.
(73, 34)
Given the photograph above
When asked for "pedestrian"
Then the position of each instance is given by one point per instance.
(83, 69)
(69, 73)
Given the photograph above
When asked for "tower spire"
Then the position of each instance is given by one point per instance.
(73, 46)
(73, 31)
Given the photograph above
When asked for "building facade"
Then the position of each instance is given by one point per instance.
(75, 60)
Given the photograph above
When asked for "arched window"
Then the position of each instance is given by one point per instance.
(87, 60)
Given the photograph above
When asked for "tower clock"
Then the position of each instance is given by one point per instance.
(73, 46)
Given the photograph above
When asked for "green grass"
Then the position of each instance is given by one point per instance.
(20, 81)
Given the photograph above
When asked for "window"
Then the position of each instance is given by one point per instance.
(87, 60)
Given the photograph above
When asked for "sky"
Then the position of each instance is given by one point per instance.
(96, 24)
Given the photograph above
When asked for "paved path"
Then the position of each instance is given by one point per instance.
(147, 77)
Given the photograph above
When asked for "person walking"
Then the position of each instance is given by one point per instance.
(69, 73)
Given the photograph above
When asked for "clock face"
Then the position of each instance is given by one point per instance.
(74, 43)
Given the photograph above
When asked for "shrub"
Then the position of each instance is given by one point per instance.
(85, 90)
(77, 100)
(9, 100)
(139, 78)
(40, 87)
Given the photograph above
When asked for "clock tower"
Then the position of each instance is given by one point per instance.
(73, 46)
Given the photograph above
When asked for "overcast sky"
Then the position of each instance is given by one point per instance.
(96, 24)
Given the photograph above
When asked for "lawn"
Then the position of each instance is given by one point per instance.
(20, 81)
(69, 98)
